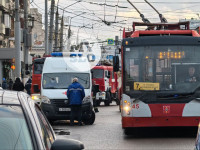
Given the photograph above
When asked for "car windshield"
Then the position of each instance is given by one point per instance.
(169, 68)
(97, 73)
(14, 132)
(63, 80)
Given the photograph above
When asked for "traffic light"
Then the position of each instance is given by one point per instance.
(13, 64)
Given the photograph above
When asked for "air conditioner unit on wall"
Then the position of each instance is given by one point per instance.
(3, 3)
(2, 28)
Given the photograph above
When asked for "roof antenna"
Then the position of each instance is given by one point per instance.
(145, 20)
(162, 18)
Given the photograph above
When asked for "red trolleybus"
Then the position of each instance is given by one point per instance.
(160, 76)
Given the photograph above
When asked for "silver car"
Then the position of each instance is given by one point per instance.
(23, 126)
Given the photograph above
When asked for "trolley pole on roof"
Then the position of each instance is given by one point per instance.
(162, 18)
(145, 20)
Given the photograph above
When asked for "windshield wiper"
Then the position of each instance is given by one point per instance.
(82, 79)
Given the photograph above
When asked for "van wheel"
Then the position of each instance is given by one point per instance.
(90, 120)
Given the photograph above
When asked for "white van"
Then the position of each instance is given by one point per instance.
(62, 70)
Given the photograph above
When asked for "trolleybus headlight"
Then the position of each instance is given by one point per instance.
(127, 108)
(125, 101)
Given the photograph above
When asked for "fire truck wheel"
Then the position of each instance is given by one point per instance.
(98, 103)
(91, 119)
(117, 101)
(108, 99)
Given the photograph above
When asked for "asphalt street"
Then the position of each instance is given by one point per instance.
(106, 134)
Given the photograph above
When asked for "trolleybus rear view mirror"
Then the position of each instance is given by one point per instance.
(36, 88)
(116, 63)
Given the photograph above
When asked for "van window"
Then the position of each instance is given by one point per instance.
(63, 80)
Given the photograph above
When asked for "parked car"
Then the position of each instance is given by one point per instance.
(197, 144)
(23, 125)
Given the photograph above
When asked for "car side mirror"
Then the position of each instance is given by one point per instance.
(67, 144)
(36, 88)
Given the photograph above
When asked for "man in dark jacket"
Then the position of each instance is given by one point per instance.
(75, 95)
(28, 86)
(18, 85)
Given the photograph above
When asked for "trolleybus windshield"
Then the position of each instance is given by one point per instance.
(169, 69)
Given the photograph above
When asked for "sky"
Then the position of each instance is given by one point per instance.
(94, 13)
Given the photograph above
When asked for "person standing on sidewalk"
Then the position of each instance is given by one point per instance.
(75, 95)
(18, 85)
(28, 86)
(4, 84)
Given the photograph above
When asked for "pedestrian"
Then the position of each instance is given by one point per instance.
(75, 95)
(4, 84)
(28, 86)
(10, 84)
(18, 85)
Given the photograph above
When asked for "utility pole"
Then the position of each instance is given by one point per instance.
(17, 41)
(46, 27)
(51, 26)
(26, 38)
(56, 31)
(61, 35)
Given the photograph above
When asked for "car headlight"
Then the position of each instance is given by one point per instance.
(86, 99)
(35, 97)
(45, 100)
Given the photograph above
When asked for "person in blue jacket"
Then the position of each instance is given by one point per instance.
(75, 95)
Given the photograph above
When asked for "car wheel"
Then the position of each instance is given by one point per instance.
(51, 121)
(91, 119)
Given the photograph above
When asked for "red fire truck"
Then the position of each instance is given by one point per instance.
(160, 76)
(36, 74)
(108, 84)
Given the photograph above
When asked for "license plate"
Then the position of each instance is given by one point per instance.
(64, 109)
